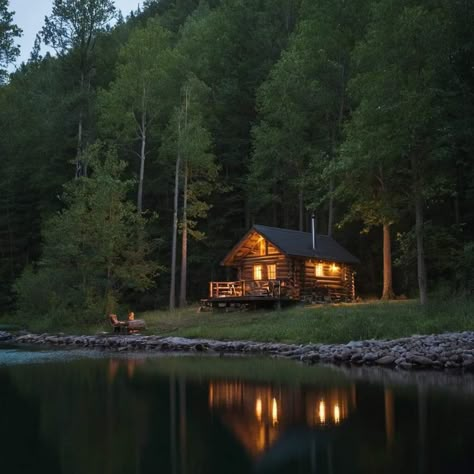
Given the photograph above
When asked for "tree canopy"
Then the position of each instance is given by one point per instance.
(239, 112)
(8, 32)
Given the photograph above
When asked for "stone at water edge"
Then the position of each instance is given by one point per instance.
(385, 360)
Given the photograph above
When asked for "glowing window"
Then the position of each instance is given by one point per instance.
(257, 272)
(319, 270)
(334, 268)
(271, 272)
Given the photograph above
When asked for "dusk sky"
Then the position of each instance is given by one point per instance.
(29, 16)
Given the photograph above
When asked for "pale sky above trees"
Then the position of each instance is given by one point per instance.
(29, 16)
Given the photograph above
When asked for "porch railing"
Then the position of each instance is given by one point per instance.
(269, 288)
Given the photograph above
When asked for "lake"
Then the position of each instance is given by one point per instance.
(87, 412)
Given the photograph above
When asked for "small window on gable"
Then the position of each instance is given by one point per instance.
(271, 271)
(319, 270)
(257, 272)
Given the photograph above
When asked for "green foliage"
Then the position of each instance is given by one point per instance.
(187, 134)
(295, 106)
(302, 106)
(74, 24)
(142, 83)
(94, 250)
(450, 261)
(465, 269)
(8, 32)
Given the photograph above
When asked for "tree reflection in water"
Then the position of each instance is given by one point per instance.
(190, 416)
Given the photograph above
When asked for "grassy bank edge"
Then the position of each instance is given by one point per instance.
(300, 325)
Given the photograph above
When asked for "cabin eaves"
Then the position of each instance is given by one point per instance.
(298, 244)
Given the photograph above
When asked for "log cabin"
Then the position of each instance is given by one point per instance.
(275, 265)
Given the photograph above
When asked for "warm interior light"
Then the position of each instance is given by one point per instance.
(271, 271)
(337, 414)
(322, 412)
(258, 409)
(274, 411)
(257, 272)
(319, 270)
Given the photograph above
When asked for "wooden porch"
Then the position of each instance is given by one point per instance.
(265, 288)
(249, 294)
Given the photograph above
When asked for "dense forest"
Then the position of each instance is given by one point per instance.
(136, 155)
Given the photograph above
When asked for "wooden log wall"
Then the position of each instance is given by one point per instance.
(281, 262)
(301, 276)
(339, 283)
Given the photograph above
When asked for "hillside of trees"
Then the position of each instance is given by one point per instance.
(134, 157)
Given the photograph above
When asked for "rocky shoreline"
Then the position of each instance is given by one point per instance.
(451, 351)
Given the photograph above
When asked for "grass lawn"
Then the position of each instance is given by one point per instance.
(329, 324)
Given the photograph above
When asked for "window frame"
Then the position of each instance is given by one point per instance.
(319, 270)
(271, 274)
(258, 272)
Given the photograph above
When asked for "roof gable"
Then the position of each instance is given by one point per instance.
(294, 243)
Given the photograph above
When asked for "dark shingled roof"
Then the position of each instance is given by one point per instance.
(300, 244)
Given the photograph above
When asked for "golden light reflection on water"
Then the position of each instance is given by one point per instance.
(274, 411)
(337, 414)
(322, 412)
(259, 414)
(258, 409)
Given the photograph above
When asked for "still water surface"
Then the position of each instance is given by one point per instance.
(86, 413)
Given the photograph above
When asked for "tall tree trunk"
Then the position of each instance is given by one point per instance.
(334, 138)
(387, 293)
(300, 210)
(331, 206)
(142, 165)
(184, 246)
(274, 206)
(420, 252)
(457, 194)
(184, 243)
(143, 131)
(78, 172)
(175, 224)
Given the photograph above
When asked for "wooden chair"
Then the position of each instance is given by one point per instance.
(119, 326)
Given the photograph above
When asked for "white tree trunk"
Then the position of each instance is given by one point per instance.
(143, 131)
(184, 243)
(175, 225)
(79, 170)
(184, 246)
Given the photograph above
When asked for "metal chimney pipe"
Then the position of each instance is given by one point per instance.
(313, 231)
